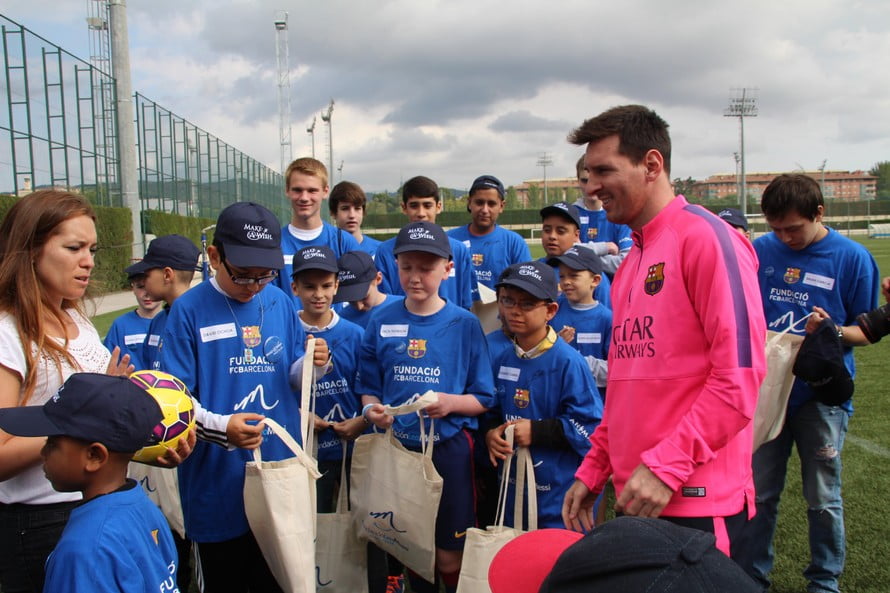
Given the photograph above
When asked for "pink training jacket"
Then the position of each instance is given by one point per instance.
(685, 365)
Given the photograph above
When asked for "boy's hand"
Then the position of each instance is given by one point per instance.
(567, 333)
(816, 318)
(184, 447)
(612, 247)
(244, 435)
(497, 444)
(522, 433)
(350, 429)
(443, 407)
(320, 423)
(378, 417)
(885, 289)
(322, 354)
(119, 366)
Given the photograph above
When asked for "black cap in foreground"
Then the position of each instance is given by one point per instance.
(357, 271)
(91, 407)
(820, 362)
(169, 251)
(250, 235)
(423, 236)
(534, 277)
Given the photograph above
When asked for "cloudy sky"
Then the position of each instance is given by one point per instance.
(464, 87)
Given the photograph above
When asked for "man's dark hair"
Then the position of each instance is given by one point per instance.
(792, 192)
(639, 130)
(347, 192)
(420, 187)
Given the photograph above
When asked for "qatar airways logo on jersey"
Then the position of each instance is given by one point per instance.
(633, 338)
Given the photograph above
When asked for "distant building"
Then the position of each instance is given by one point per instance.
(559, 189)
(836, 185)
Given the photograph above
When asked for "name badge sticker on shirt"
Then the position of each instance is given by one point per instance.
(394, 330)
(154, 339)
(818, 281)
(584, 219)
(211, 333)
(133, 339)
(589, 338)
(288, 259)
(508, 374)
(452, 273)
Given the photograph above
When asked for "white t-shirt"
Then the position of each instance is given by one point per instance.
(31, 486)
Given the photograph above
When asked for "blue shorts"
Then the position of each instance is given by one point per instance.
(457, 509)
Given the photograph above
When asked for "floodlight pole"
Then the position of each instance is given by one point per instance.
(742, 104)
(311, 131)
(545, 161)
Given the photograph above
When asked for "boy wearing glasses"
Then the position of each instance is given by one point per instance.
(543, 388)
(232, 340)
(427, 343)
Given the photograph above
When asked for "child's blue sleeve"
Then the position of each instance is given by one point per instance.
(581, 406)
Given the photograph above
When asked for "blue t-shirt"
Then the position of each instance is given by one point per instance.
(233, 357)
(596, 228)
(150, 350)
(557, 384)
(115, 542)
(601, 293)
(338, 240)
(361, 318)
(335, 398)
(498, 342)
(129, 332)
(490, 254)
(369, 245)
(459, 288)
(405, 354)
(834, 273)
(593, 327)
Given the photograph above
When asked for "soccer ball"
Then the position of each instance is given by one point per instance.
(176, 404)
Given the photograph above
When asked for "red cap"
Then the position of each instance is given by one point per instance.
(522, 564)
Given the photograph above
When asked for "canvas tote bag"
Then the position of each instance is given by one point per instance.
(772, 402)
(395, 493)
(482, 544)
(341, 559)
(279, 501)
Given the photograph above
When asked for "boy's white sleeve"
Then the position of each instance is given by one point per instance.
(599, 368)
(211, 426)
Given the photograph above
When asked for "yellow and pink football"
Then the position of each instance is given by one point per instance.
(176, 404)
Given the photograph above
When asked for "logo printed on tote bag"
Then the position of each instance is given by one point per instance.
(381, 524)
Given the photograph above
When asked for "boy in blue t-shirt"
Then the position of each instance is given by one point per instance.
(560, 230)
(117, 539)
(129, 331)
(581, 321)
(306, 186)
(347, 203)
(233, 340)
(337, 417)
(492, 247)
(543, 388)
(421, 202)
(423, 343)
(359, 288)
(168, 267)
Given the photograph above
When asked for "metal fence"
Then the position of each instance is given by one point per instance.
(60, 129)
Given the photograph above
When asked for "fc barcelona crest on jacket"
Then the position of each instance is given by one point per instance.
(416, 348)
(792, 275)
(654, 279)
(520, 398)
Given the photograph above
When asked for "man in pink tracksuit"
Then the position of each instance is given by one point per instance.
(687, 353)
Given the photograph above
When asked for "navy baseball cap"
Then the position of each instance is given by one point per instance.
(357, 271)
(488, 182)
(169, 251)
(734, 218)
(423, 236)
(315, 257)
(820, 362)
(626, 554)
(250, 236)
(92, 407)
(567, 211)
(578, 258)
(534, 277)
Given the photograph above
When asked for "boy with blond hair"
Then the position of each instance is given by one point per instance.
(306, 186)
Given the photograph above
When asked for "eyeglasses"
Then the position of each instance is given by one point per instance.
(249, 280)
(525, 306)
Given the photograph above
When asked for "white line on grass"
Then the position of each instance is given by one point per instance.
(869, 446)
